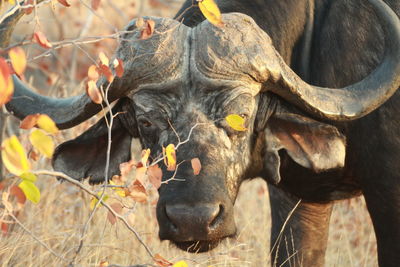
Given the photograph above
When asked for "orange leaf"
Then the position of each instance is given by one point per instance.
(28, 10)
(105, 70)
(4, 228)
(126, 167)
(18, 60)
(29, 121)
(18, 193)
(170, 157)
(117, 207)
(64, 3)
(148, 29)
(6, 83)
(119, 68)
(41, 39)
(196, 165)
(93, 92)
(160, 261)
(137, 191)
(140, 172)
(95, 4)
(155, 175)
(93, 73)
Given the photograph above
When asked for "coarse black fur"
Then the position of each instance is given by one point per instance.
(344, 44)
(328, 43)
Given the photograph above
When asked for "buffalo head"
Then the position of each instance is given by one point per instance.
(180, 84)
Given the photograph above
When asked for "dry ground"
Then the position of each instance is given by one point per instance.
(63, 210)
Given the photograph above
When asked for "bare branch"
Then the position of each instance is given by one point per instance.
(92, 193)
(35, 237)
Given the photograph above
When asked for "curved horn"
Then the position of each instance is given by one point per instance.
(358, 99)
(152, 61)
(242, 54)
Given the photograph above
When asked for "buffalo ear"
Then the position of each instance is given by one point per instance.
(310, 143)
(85, 156)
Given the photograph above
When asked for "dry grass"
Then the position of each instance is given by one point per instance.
(63, 210)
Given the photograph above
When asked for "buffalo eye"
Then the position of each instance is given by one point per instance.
(145, 123)
(245, 116)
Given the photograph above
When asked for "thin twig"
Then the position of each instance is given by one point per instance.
(92, 193)
(35, 237)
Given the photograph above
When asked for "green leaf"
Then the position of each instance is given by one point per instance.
(30, 190)
(28, 176)
(42, 142)
(236, 122)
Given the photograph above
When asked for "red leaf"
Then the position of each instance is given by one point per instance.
(29, 121)
(160, 261)
(105, 70)
(4, 228)
(117, 207)
(95, 4)
(155, 175)
(6, 83)
(64, 3)
(148, 29)
(119, 68)
(41, 39)
(137, 191)
(29, 9)
(18, 193)
(196, 165)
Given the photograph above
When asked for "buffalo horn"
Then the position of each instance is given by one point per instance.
(144, 61)
(353, 101)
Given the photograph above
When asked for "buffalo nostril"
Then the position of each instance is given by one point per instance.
(201, 218)
(218, 218)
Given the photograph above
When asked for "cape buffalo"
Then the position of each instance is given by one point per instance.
(314, 81)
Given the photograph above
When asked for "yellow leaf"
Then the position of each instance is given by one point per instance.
(119, 191)
(12, 2)
(170, 157)
(29, 177)
(145, 156)
(95, 200)
(236, 122)
(14, 156)
(46, 123)
(30, 190)
(180, 264)
(42, 142)
(103, 58)
(211, 11)
(6, 83)
(18, 60)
